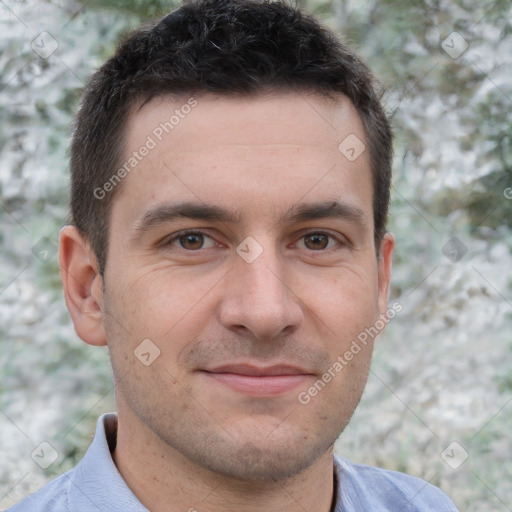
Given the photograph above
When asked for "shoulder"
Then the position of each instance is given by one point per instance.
(370, 488)
(52, 497)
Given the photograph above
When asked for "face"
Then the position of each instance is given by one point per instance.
(241, 249)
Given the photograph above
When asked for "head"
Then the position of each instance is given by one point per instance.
(220, 227)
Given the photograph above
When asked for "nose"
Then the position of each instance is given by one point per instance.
(259, 299)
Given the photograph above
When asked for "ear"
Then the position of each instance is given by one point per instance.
(83, 286)
(387, 246)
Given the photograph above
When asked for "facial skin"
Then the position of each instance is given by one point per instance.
(191, 427)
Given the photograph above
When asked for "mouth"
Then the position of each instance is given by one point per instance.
(258, 380)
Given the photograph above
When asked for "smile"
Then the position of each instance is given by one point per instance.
(258, 381)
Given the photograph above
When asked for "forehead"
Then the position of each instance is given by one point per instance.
(253, 118)
(262, 153)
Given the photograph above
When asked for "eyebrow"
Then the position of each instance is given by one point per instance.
(323, 210)
(191, 210)
(301, 212)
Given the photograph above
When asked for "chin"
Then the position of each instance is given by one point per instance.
(251, 463)
(264, 458)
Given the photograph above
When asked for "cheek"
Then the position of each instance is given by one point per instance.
(166, 306)
(345, 302)
(160, 298)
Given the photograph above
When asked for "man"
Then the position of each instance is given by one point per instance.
(231, 168)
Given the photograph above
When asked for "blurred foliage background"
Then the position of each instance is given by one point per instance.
(442, 370)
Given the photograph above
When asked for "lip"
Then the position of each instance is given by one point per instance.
(258, 380)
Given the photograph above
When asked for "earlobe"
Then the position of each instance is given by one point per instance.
(82, 286)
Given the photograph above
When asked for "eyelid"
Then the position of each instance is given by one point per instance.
(340, 239)
(168, 240)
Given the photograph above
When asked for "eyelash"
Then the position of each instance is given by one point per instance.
(186, 232)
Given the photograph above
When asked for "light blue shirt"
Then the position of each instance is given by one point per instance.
(95, 485)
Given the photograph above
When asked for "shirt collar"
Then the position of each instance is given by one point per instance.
(97, 485)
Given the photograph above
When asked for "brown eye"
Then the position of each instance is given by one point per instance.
(320, 241)
(191, 241)
(316, 241)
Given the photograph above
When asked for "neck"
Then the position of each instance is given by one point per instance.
(164, 480)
